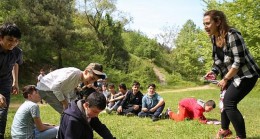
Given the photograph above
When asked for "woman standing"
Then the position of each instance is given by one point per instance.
(237, 68)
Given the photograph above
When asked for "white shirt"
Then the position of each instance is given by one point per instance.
(62, 82)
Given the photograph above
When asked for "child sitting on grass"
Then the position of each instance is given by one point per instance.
(27, 123)
(118, 97)
(152, 104)
(132, 103)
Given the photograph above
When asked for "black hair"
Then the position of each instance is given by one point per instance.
(96, 99)
(211, 103)
(28, 90)
(122, 85)
(111, 85)
(136, 83)
(152, 85)
(10, 29)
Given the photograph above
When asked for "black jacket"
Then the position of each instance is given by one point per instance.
(74, 124)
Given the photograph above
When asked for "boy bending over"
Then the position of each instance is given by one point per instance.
(192, 108)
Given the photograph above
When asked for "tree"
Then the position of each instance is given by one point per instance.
(187, 56)
(108, 32)
(245, 16)
(46, 25)
(168, 36)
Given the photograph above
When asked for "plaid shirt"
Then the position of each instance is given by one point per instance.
(237, 56)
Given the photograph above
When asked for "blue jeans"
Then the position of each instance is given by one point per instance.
(47, 134)
(4, 111)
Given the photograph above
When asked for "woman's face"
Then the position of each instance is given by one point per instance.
(210, 26)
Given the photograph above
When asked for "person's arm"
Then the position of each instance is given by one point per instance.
(15, 86)
(61, 98)
(160, 103)
(198, 115)
(122, 103)
(231, 73)
(39, 125)
(144, 107)
(101, 129)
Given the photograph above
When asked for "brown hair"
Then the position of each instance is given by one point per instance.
(219, 16)
(28, 90)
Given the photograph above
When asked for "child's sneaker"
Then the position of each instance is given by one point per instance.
(223, 134)
(108, 110)
(154, 118)
(129, 114)
(167, 113)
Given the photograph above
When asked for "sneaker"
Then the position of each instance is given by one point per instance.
(108, 110)
(129, 114)
(154, 118)
(223, 134)
(167, 113)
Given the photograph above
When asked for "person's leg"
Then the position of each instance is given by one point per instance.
(47, 134)
(232, 97)
(224, 120)
(143, 114)
(180, 116)
(52, 100)
(4, 112)
(116, 105)
(159, 111)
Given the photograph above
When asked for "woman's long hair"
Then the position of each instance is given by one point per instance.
(219, 16)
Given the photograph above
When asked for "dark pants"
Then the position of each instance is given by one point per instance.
(130, 109)
(4, 111)
(152, 114)
(230, 112)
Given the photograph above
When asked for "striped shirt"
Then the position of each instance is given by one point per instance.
(237, 56)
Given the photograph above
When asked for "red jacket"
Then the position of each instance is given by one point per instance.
(194, 108)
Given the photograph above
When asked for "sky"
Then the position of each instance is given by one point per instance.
(150, 16)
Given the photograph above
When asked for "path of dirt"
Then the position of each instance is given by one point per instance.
(160, 75)
(188, 89)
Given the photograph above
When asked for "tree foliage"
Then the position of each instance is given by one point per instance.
(57, 34)
(45, 25)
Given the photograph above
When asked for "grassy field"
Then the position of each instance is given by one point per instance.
(143, 128)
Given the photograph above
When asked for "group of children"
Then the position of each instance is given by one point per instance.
(133, 102)
(79, 112)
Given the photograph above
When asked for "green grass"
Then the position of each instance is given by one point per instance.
(143, 128)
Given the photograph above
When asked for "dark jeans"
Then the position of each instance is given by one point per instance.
(153, 114)
(4, 111)
(130, 109)
(232, 97)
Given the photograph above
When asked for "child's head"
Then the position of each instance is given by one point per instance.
(111, 88)
(151, 89)
(135, 87)
(42, 71)
(104, 86)
(92, 73)
(210, 105)
(9, 36)
(94, 104)
(122, 87)
(31, 93)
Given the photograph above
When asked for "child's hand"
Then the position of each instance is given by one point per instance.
(144, 109)
(2, 101)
